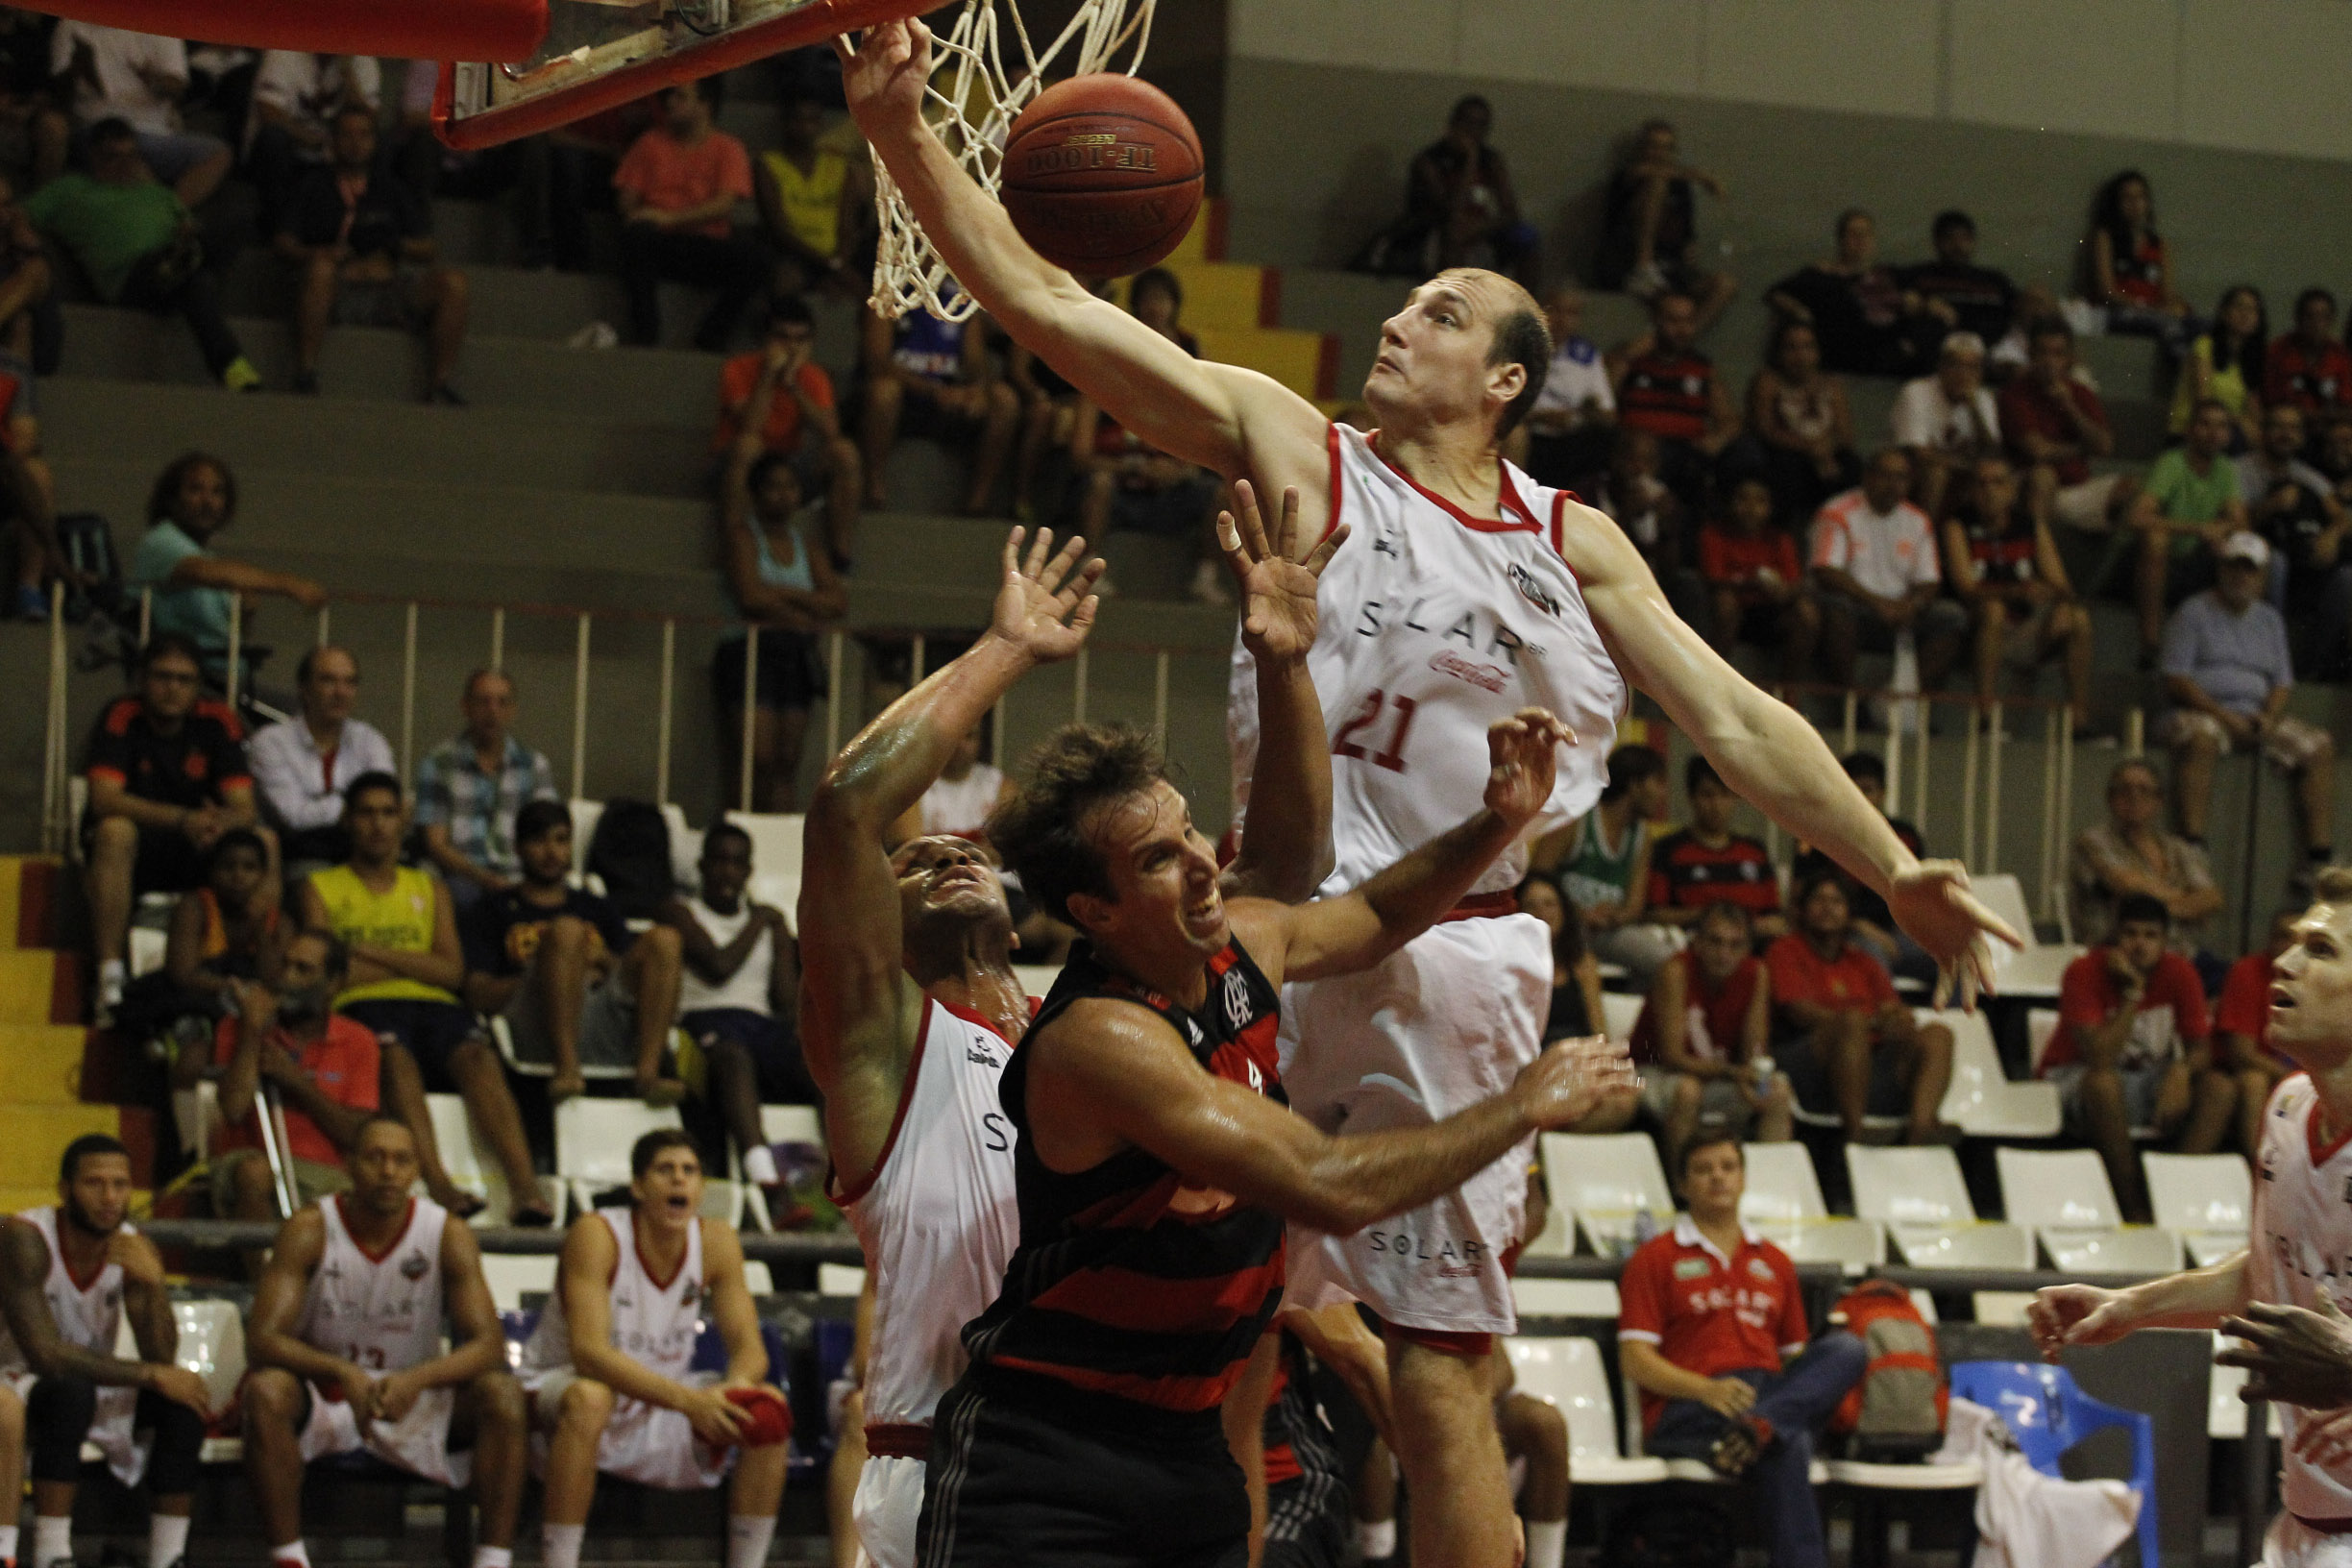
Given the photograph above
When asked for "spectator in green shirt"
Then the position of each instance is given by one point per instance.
(2189, 506)
(140, 245)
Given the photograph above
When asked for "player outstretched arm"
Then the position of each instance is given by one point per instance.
(1286, 843)
(1767, 753)
(1222, 417)
(858, 1009)
(2063, 1316)
(1357, 930)
(1112, 1066)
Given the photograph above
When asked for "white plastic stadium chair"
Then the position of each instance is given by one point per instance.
(1569, 1374)
(1783, 1202)
(2224, 1411)
(2065, 1197)
(470, 1165)
(513, 1275)
(778, 1124)
(1620, 1013)
(1037, 979)
(593, 1138)
(2001, 1309)
(840, 1280)
(2036, 970)
(585, 815)
(1565, 1298)
(1982, 1102)
(1919, 1195)
(2206, 1199)
(1605, 1180)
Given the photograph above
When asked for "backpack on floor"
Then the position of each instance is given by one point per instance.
(1897, 1411)
(630, 852)
(88, 547)
(1658, 1534)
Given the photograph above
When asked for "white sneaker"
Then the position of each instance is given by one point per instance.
(1209, 585)
(596, 334)
(112, 979)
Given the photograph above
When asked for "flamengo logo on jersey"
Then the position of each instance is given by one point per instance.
(1237, 1004)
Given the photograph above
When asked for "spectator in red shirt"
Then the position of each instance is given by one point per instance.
(2054, 425)
(2131, 267)
(323, 1064)
(1706, 863)
(1755, 584)
(675, 186)
(1712, 1329)
(804, 422)
(2134, 1051)
(1703, 1039)
(2243, 1020)
(1846, 1037)
(2306, 368)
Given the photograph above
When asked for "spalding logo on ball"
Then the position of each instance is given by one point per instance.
(1102, 175)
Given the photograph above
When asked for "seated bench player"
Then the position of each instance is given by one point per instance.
(344, 1344)
(70, 1274)
(608, 1366)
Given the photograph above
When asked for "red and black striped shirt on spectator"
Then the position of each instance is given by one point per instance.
(1128, 1281)
(1685, 874)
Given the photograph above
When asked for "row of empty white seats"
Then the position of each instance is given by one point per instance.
(1916, 1199)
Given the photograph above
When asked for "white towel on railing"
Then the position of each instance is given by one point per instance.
(2025, 1519)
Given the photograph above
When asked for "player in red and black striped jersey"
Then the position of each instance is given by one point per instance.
(1706, 863)
(1156, 1162)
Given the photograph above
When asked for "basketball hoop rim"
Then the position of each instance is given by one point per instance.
(812, 23)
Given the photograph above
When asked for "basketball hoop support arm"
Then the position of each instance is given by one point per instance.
(399, 28)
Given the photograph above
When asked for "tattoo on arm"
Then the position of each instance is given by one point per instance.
(24, 1263)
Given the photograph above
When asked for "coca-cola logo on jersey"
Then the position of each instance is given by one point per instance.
(1484, 677)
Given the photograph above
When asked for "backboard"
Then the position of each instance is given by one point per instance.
(597, 54)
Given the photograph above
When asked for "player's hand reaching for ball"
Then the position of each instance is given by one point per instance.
(2291, 1354)
(1046, 605)
(884, 76)
(2063, 1316)
(1572, 1079)
(1277, 591)
(1931, 901)
(1522, 763)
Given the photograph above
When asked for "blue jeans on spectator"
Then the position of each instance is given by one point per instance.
(1796, 1401)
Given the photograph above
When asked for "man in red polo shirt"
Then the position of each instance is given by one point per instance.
(1845, 1036)
(1712, 1329)
(323, 1064)
(2134, 1049)
(2243, 1020)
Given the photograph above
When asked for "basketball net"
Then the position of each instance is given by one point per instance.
(971, 101)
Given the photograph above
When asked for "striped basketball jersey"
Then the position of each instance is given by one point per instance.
(1075, 1305)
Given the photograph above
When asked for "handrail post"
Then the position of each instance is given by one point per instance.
(750, 713)
(661, 730)
(1993, 792)
(324, 611)
(833, 697)
(2064, 719)
(1078, 702)
(52, 780)
(1968, 794)
(146, 615)
(2135, 733)
(1893, 758)
(237, 637)
(1853, 700)
(580, 713)
(914, 661)
(497, 637)
(1919, 790)
(408, 695)
(2049, 801)
(996, 740)
(1160, 689)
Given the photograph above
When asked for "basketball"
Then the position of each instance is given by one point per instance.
(1102, 175)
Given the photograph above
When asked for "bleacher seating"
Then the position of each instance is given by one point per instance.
(592, 1150)
(1982, 1101)
(472, 1167)
(1919, 1195)
(1607, 1181)
(2206, 1199)
(515, 1275)
(1568, 1374)
(2065, 1197)
(1783, 1204)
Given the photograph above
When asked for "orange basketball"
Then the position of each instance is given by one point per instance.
(1102, 175)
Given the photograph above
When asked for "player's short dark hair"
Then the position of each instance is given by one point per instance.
(538, 819)
(1630, 765)
(70, 1165)
(2141, 909)
(236, 838)
(368, 783)
(164, 494)
(1818, 877)
(651, 1146)
(2315, 292)
(1862, 765)
(382, 1119)
(2333, 885)
(1696, 771)
(161, 643)
(1706, 1138)
(1950, 219)
(723, 829)
(1723, 912)
(1040, 831)
(1521, 338)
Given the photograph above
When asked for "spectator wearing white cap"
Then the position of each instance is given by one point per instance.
(2227, 672)
(1947, 421)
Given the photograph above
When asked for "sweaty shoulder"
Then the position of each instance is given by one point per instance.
(1595, 548)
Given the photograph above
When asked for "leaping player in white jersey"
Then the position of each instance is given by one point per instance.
(1457, 367)
(2301, 1234)
(910, 1008)
(345, 1342)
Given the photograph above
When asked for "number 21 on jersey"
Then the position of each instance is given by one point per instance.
(1367, 715)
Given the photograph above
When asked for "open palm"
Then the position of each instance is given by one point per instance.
(1278, 592)
(1046, 606)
